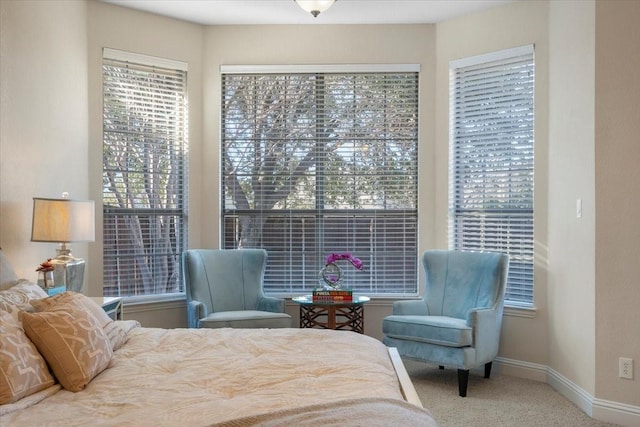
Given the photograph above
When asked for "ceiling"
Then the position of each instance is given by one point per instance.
(235, 12)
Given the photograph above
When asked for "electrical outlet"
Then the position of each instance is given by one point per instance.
(625, 368)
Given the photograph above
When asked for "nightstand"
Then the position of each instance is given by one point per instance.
(111, 305)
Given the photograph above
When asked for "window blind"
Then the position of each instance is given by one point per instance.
(319, 163)
(144, 174)
(491, 181)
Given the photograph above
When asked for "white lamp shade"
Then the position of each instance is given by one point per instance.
(63, 220)
(315, 7)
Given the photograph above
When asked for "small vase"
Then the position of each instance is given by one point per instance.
(45, 279)
(331, 276)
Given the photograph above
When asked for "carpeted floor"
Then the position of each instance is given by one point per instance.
(502, 400)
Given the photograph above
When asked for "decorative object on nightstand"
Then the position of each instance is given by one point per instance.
(45, 274)
(63, 221)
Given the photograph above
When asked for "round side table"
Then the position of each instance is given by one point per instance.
(338, 315)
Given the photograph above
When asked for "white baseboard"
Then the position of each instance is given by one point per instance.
(617, 413)
(571, 391)
(599, 409)
(520, 369)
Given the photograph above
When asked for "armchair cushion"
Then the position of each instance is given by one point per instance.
(246, 319)
(440, 330)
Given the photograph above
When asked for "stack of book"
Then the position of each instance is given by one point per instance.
(332, 295)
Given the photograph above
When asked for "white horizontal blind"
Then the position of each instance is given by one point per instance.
(144, 175)
(316, 163)
(491, 162)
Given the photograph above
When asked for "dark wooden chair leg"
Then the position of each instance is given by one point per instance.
(463, 380)
(440, 366)
(487, 369)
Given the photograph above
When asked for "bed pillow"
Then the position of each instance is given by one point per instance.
(23, 371)
(118, 332)
(74, 345)
(18, 298)
(72, 302)
(8, 277)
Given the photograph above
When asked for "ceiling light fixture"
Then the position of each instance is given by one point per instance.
(315, 7)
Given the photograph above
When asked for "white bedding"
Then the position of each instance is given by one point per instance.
(206, 376)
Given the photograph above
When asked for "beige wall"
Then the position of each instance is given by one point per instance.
(617, 186)
(518, 24)
(571, 176)
(43, 119)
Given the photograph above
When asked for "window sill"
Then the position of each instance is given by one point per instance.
(519, 311)
(151, 299)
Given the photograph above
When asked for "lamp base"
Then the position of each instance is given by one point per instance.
(69, 272)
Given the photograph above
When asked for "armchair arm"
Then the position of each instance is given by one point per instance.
(272, 304)
(415, 307)
(195, 311)
(486, 324)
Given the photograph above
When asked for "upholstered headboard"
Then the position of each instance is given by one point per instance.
(8, 277)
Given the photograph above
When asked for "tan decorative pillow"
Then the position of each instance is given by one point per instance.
(74, 345)
(22, 370)
(18, 298)
(72, 302)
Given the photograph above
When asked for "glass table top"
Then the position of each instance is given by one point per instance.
(308, 300)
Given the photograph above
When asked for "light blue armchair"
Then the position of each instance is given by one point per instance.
(225, 289)
(457, 323)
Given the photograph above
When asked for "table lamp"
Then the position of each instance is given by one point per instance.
(64, 221)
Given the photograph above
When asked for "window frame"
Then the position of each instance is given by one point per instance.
(518, 239)
(324, 70)
(169, 217)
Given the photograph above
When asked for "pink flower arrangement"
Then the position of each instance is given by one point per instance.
(332, 258)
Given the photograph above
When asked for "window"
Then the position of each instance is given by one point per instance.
(491, 161)
(322, 162)
(144, 174)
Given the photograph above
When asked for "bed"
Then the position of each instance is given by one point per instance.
(224, 377)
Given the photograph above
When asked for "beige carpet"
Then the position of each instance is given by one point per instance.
(502, 400)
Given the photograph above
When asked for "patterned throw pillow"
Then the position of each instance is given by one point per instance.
(72, 301)
(69, 300)
(17, 298)
(74, 345)
(22, 370)
(117, 332)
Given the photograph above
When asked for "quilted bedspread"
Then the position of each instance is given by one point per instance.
(196, 377)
